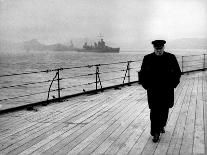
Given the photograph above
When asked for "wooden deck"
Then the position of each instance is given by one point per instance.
(112, 122)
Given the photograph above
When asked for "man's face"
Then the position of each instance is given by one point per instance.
(159, 50)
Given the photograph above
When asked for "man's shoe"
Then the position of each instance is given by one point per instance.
(162, 130)
(156, 138)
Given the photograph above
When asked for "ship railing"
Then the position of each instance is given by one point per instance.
(192, 63)
(21, 90)
(43, 87)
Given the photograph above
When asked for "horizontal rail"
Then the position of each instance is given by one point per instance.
(24, 95)
(14, 74)
(67, 68)
(114, 79)
(73, 86)
(25, 84)
(70, 77)
(113, 71)
(194, 60)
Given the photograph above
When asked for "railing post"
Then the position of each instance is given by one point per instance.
(96, 77)
(128, 68)
(182, 63)
(58, 74)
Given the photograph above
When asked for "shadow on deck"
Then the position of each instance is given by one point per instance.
(112, 122)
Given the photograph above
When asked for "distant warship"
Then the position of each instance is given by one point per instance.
(99, 47)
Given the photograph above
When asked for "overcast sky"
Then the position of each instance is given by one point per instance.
(122, 22)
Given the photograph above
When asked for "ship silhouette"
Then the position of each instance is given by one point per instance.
(98, 47)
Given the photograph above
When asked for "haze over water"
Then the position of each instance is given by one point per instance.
(130, 25)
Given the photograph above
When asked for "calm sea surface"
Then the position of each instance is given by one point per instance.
(35, 61)
(11, 63)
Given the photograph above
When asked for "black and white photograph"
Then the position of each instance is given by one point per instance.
(103, 77)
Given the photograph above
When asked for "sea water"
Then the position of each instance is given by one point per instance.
(17, 63)
(21, 62)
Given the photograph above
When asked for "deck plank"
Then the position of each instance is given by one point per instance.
(178, 132)
(43, 114)
(59, 128)
(43, 119)
(121, 115)
(199, 146)
(112, 122)
(112, 139)
(35, 138)
(57, 143)
(94, 135)
(187, 142)
(204, 95)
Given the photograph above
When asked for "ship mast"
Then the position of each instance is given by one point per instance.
(100, 36)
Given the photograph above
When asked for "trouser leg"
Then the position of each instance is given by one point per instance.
(158, 118)
(164, 117)
(155, 122)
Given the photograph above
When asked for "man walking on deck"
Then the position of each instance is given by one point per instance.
(159, 75)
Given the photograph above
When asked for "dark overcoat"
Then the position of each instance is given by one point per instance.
(159, 75)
